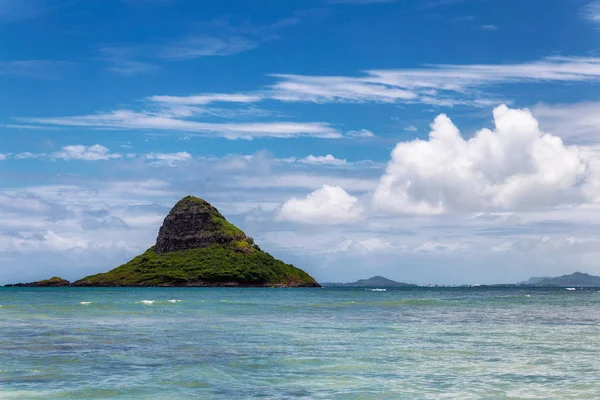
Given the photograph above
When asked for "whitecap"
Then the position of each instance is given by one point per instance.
(173, 301)
(527, 295)
(570, 288)
(378, 290)
(146, 302)
(85, 303)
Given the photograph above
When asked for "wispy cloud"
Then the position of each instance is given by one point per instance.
(591, 12)
(207, 98)
(440, 85)
(169, 159)
(578, 122)
(217, 38)
(358, 2)
(204, 46)
(443, 85)
(12, 10)
(127, 119)
(41, 69)
(488, 27)
(362, 133)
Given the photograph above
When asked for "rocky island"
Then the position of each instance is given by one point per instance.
(375, 281)
(197, 246)
(52, 282)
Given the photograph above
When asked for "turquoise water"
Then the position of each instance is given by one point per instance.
(82, 343)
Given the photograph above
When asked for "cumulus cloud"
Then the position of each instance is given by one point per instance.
(328, 205)
(86, 153)
(514, 166)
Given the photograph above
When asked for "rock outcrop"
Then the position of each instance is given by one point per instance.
(192, 224)
(197, 246)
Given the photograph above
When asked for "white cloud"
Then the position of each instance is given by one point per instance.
(321, 89)
(86, 153)
(369, 245)
(577, 121)
(488, 27)
(359, 2)
(32, 68)
(126, 119)
(592, 12)
(27, 155)
(442, 85)
(207, 98)
(169, 159)
(303, 181)
(322, 160)
(328, 205)
(52, 241)
(516, 166)
(363, 133)
(436, 247)
(196, 47)
(411, 128)
(2, 157)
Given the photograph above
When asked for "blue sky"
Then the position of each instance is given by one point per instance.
(431, 141)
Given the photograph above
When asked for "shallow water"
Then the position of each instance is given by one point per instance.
(423, 343)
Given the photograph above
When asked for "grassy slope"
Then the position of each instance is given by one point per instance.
(214, 265)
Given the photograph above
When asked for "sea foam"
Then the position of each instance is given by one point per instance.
(146, 302)
(85, 303)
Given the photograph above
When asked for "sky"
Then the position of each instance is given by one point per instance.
(429, 141)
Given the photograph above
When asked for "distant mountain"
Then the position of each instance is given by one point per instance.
(376, 281)
(534, 280)
(575, 279)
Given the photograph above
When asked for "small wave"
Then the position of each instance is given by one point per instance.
(527, 295)
(570, 288)
(174, 301)
(378, 290)
(146, 302)
(85, 303)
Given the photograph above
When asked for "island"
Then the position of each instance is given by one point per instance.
(376, 281)
(577, 279)
(198, 247)
(52, 282)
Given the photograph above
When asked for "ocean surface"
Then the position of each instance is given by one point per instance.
(199, 343)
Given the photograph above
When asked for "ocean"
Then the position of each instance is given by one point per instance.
(332, 343)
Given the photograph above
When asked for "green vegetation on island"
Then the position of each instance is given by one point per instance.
(235, 264)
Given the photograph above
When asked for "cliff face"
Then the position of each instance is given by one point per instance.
(197, 246)
(192, 224)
